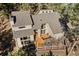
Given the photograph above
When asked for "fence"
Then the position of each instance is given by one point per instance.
(44, 48)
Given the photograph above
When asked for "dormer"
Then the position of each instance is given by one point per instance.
(45, 11)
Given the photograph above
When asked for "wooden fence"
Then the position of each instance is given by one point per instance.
(45, 48)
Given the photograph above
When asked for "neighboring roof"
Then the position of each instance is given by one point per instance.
(22, 18)
(51, 18)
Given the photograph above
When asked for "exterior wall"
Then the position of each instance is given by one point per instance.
(31, 37)
(12, 23)
(39, 31)
(48, 30)
(18, 43)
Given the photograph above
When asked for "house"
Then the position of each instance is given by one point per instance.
(22, 27)
(50, 21)
(45, 22)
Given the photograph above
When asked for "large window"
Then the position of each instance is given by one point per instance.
(43, 28)
(24, 40)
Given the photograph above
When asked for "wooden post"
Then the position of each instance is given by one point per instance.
(66, 50)
(66, 47)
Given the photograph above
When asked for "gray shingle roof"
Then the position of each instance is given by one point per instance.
(22, 33)
(22, 18)
(38, 21)
(51, 18)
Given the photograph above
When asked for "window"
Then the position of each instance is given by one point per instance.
(43, 31)
(49, 11)
(43, 26)
(42, 11)
(14, 19)
(24, 37)
(24, 40)
(46, 11)
(21, 38)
